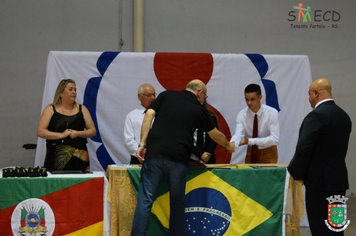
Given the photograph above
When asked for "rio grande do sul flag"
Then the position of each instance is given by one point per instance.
(227, 202)
(54, 206)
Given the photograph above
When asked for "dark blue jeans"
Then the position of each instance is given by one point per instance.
(154, 169)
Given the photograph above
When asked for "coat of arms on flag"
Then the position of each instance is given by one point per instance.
(337, 213)
(32, 217)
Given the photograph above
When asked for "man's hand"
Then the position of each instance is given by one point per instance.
(244, 142)
(205, 157)
(231, 147)
(141, 152)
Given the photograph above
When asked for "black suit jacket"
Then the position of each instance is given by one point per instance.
(319, 159)
(206, 145)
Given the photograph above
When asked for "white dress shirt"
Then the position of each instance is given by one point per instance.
(195, 137)
(268, 127)
(132, 129)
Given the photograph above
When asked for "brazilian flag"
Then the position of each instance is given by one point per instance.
(224, 202)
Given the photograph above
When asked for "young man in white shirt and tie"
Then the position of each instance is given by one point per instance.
(262, 147)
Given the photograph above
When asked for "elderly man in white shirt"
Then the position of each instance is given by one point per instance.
(262, 146)
(132, 130)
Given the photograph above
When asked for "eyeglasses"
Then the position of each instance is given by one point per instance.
(149, 94)
(206, 96)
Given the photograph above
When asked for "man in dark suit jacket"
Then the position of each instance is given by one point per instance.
(319, 159)
(203, 146)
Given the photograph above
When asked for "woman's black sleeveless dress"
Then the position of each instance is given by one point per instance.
(68, 153)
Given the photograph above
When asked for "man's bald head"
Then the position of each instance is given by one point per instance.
(319, 90)
(196, 84)
(197, 87)
(322, 84)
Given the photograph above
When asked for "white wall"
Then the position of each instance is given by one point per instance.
(30, 29)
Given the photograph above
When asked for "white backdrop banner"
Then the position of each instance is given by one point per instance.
(107, 84)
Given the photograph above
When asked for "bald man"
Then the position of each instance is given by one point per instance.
(177, 115)
(319, 159)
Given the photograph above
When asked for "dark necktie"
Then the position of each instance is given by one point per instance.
(254, 150)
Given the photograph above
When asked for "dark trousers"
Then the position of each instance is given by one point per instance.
(153, 171)
(317, 211)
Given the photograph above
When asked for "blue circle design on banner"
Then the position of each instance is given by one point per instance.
(90, 101)
(261, 66)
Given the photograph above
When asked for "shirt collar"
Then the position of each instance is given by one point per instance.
(142, 109)
(325, 100)
(259, 112)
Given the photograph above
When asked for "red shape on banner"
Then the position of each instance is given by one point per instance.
(175, 70)
(221, 155)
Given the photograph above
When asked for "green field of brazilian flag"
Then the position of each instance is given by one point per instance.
(225, 202)
(51, 206)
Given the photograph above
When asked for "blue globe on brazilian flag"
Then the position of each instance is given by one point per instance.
(221, 202)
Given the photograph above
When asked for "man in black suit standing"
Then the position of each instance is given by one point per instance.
(319, 159)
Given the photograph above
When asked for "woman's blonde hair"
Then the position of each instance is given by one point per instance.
(57, 100)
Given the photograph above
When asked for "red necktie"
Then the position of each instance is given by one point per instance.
(254, 150)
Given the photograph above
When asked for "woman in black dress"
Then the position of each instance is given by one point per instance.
(66, 125)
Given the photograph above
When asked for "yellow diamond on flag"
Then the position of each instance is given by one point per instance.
(245, 213)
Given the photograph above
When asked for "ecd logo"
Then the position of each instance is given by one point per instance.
(304, 17)
(305, 14)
